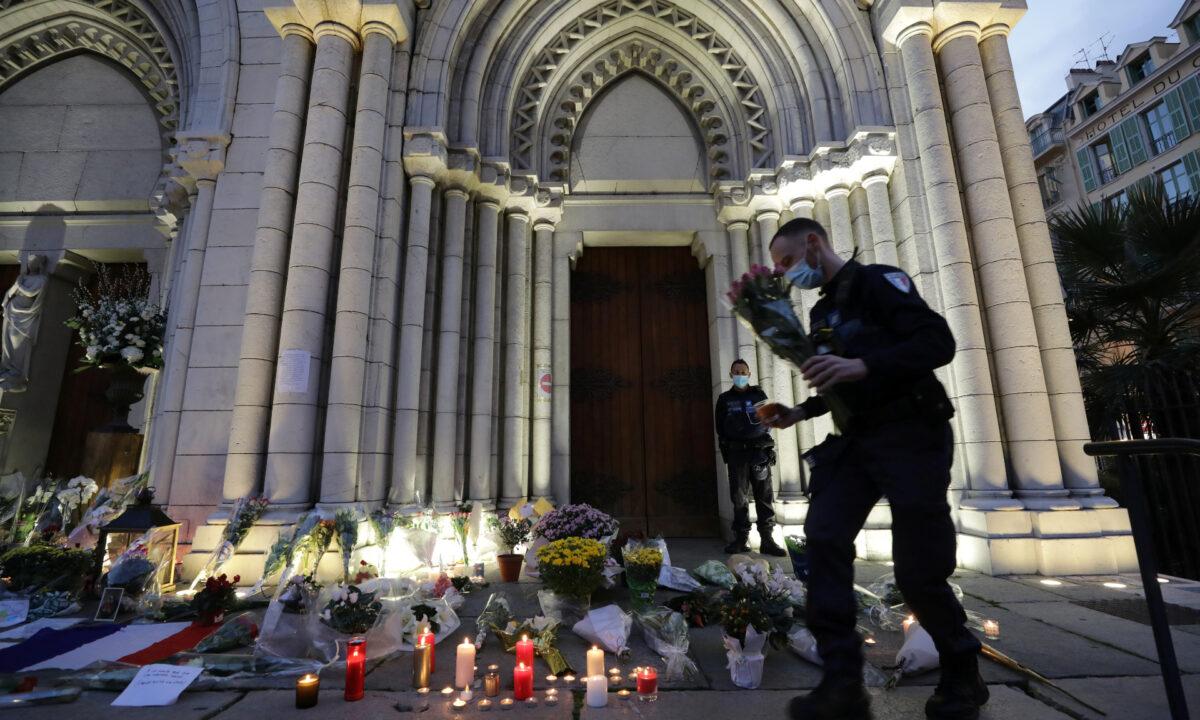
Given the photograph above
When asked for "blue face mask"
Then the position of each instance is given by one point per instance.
(805, 276)
(741, 381)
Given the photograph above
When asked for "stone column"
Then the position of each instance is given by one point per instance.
(412, 322)
(802, 208)
(1041, 274)
(879, 207)
(445, 404)
(482, 482)
(543, 259)
(860, 223)
(841, 230)
(515, 357)
(979, 426)
(295, 410)
(566, 249)
(739, 264)
(1028, 424)
(268, 271)
(348, 364)
(782, 390)
(202, 158)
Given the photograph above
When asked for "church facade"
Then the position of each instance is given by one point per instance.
(421, 253)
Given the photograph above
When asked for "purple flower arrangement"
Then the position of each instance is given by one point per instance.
(580, 520)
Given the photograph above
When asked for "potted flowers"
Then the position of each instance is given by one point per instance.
(572, 569)
(642, 566)
(580, 521)
(217, 598)
(510, 533)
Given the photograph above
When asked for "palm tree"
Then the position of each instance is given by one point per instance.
(1131, 277)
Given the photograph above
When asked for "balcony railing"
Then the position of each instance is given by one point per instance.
(1164, 142)
(1107, 175)
(1045, 140)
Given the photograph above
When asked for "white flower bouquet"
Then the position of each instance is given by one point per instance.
(117, 323)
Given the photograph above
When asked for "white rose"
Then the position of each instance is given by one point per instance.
(132, 354)
(353, 598)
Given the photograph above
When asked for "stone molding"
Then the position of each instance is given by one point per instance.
(201, 156)
(530, 98)
(666, 68)
(425, 153)
(903, 18)
(346, 18)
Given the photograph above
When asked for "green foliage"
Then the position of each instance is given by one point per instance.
(45, 567)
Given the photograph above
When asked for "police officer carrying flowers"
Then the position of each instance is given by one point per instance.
(749, 452)
(878, 344)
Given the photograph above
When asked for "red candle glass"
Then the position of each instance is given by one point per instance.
(426, 637)
(647, 684)
(522, 682)
(525, 652)
(356, 668)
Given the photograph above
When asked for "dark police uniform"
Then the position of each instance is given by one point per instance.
(749, 451)
(898, 444)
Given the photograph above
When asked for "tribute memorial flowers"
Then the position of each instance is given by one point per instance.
(460, 522)
(117, 323)
(573, 566)
(510, 532)
(642, 567)
(216, 598)
(246, 512)
(350, 610)
(575, 521)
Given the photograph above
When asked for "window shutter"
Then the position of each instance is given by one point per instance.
(1191, 101)
(1084, 156)
(1134, 140)
(1120, 152)
(1191, 163)
(1174, 101)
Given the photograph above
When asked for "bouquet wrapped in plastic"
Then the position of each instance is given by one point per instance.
(107, 504)
(543, 632)
(496, 612)
(666, 633)
(572, 569)
(607, 627)
(246, 512)
(714, 572)
(345, 523)
(238, 631)
(642, 568)
(417, 612)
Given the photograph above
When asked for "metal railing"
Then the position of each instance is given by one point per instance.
(1139, 521)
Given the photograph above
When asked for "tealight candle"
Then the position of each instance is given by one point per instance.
(356, 668)
(484, 705)
(447, 692)
(464, 664)
(568, 679)
(551, 698)
(491, 681)
(647, 684)
(551, 679)
(991, 629)
(597, 691)
(466, 693)
(623, 694)
(426, 637)
(422, 703)
(506, 704)
(525, 652)
(522, 682)
(531, 702)
(614, 671)
(459, 705)
(595, 662)
(307, 687)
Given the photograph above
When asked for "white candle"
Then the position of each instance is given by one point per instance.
(597, 690)
(595, 662)
(464, 665)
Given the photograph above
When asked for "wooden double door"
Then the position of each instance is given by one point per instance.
(641, 391)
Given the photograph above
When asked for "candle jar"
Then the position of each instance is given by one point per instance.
(308, 687)
(422, 665)
(647, 684)
(356, 668)
(491, 681)
(522, 682)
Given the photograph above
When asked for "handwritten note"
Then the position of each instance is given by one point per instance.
(292, 376)
(156, 685)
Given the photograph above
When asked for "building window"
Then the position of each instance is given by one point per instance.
(1041, 139)
(1090, 103)
(1140, 69)
(1051, 189)
(1162, 130)
(1117, 202)
(1175, 181)
(1193, 26)
(1104, 161)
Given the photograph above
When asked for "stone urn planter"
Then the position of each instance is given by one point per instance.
(510, 566)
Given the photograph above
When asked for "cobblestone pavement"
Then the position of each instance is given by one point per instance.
(1065, 629)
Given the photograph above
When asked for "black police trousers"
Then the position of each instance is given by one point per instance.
(909, 463)
(751, 479)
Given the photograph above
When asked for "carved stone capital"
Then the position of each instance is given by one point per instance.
(901, 19)
(201, 156)
(357, 17)
(462, 168)
(493, 182)
(733, 203)
(425, 152)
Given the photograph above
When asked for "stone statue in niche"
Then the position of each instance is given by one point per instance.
(22, 316)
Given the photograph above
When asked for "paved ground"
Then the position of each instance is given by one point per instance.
(1106, 660)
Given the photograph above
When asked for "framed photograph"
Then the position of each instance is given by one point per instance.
(110, 605)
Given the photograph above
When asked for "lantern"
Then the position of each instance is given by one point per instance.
(139, 519)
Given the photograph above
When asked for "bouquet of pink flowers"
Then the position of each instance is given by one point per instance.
(762, 300)
(580, 520)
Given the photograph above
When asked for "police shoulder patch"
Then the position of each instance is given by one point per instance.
(900, 281)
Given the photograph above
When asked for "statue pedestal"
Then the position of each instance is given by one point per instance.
(109, 456)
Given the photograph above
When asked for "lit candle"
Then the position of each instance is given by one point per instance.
(568, 679)
(464, 664)
(484, 705)
(551, 679)
(551, 698)
(356, 668)
(525, 652)
(522, 682)
(647, 684)
(506, 704)
(307, 687)
(447, 692)
(459, 705)
(491, 681)
(422, 699)
(595, 662)
(597, 690)
(427, 637)
(422, 665)
(466, 693)
(623, 694)
(530, 702)
(991, 629)
(908, 622)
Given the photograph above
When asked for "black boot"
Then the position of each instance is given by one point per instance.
(832, 702)
(961, 691)
(739, 545)
(768, 547)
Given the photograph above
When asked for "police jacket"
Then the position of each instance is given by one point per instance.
(874, 313)
(742, 437)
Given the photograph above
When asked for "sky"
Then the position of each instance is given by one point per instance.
(1045, 43)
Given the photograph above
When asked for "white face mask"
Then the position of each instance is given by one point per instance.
(805, 276)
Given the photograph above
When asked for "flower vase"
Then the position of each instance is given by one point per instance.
(510, 567)
(126, 386)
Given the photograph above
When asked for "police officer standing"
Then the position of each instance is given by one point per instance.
(749, 451)
(878, 344)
